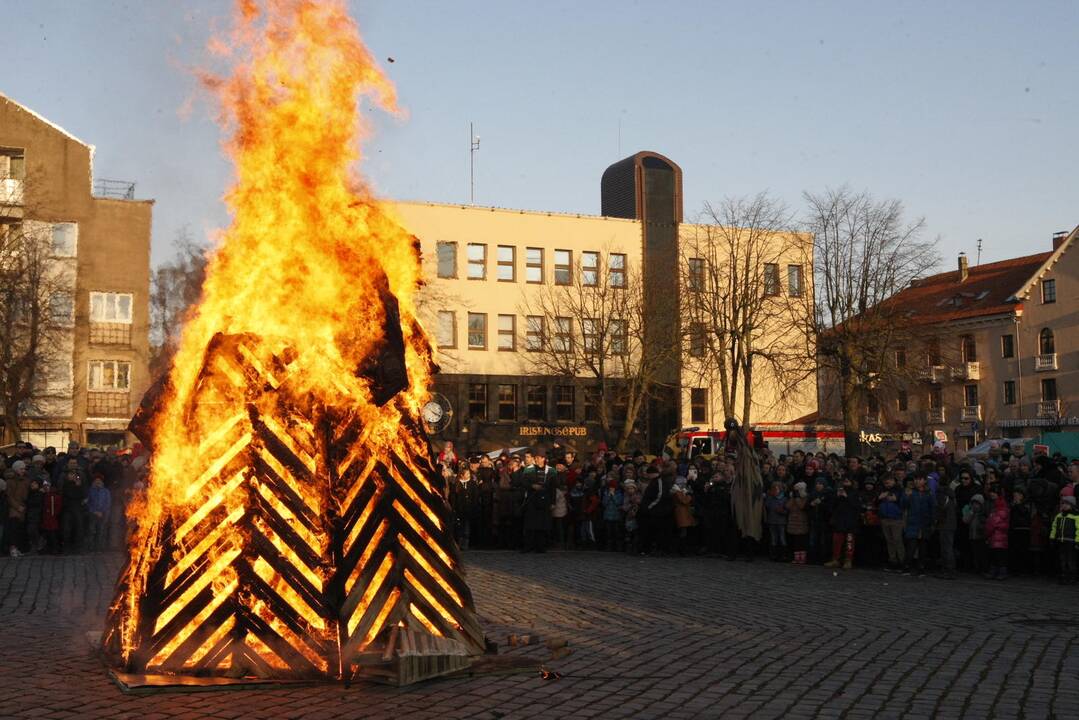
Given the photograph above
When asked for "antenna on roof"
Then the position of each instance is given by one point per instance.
(979, 253)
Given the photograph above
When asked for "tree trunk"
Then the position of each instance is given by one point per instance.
(12, 431)
(848, 396)
(747, 392)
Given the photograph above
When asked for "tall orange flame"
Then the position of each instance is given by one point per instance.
(298, 267)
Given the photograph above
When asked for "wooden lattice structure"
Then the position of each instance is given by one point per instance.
(312, 546)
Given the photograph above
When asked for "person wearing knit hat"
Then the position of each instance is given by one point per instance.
(1065, 531)
(973, 515)
(798, 523)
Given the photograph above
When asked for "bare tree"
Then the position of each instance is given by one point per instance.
(737, 317)
(176, 287)
(594, 326)
(36, 307)
(865, 252)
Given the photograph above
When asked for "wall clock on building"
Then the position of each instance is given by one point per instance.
(437, 414)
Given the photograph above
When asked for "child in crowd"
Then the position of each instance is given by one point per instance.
(631, 501)
(775, 509)
(996, 537)
(798, 523)
(1065, 533)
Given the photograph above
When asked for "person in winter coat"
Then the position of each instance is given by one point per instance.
(973, 514)
(631, 502)
(73, 522)
(798, 523)
(890, 511)
(98, 505)
(846, 511)
(996, 537)
(775, 517)
(683, 512)
(18, 487)
(508, 501)
(464, 499)
(870, 535)
(964, 492)
(1019, 532)
(51, 506)
(819, 505)
(946, 521)
(560, 511)
(1065, 533)
(918, 507)
(34, 506)
(537, 481)
(612, 514)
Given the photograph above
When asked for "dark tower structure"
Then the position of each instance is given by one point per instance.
(647, 186)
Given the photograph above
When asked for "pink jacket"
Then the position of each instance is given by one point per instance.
(996, 527)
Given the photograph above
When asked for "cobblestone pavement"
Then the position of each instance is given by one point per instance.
(651, 638)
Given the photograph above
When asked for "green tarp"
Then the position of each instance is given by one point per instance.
(1065, 443)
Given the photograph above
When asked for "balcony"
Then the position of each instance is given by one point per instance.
(11, 191)
(1049, 408)
(105, 333)
(1045, 362)
(108, 404)
(970, 413)
(935, 416)
(967, 371)
(932, 374)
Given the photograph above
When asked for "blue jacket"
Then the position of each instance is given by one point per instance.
(612, 504)
(919, 508)
(99, 500)
(891, 509)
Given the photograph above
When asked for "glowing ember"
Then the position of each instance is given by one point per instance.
(293, 513)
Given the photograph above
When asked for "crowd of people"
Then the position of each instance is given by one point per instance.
(1004, 514)
(65, 503)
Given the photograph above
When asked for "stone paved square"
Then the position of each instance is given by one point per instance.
(651, 638)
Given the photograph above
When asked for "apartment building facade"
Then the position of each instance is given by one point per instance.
(487, 269)
(98, 238)
(999, 356)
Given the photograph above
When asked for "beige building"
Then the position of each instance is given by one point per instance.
(999, 356)
(99, 243)
(489, 269)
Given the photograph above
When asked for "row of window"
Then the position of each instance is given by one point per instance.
(535, 264)
(101, 376)
(536, 406)
(561, 339)
(935, 396)
(104, 307)
(968, 348)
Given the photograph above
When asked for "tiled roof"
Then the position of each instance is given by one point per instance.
(987, 290)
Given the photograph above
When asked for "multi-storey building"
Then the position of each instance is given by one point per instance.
(488, 268)
(995, 351)
(99, 240)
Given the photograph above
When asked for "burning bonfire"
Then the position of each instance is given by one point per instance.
(293, 525)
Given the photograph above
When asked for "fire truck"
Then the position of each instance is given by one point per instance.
(780, 439)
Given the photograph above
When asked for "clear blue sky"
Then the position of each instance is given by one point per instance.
(966, 111)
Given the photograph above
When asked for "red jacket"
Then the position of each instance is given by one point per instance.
(996, 527)
(50, 510)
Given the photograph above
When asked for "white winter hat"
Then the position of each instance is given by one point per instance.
(18, 466)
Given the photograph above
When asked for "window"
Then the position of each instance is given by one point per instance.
(771, 279)
(616, 263)
(563, 334)
(902, 402)
(900, 358)
(1007, 346)
(590, 335)
(794, 280)
(1046, 342)
(534, 332)
(695, 279)
(590, 268)
(507, 402)
(507, 332)
(447, 329)
(932, 352)
(477, 331)
(447, 259)
(564, 402)
(507, 263)
(536, 402)
(936, 399)
(563, 267)
(698, 405)
(477, 401)
(1049, 390)
(1049, 291)
(477, 261)
(110, 307)
(969, 349)
(65, 239)
(696, 340)
(591, 403)
(1009, 392)
(970, 395)
(618, 337)
(12, 164)
(62, 308)
(109, 375)
(534, 265)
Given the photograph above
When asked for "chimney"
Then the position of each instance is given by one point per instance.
(963, 267)
(1058, 238)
